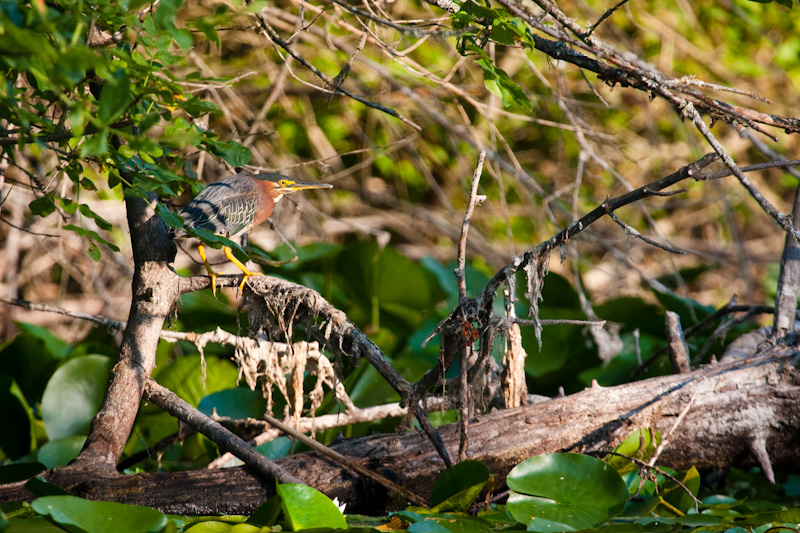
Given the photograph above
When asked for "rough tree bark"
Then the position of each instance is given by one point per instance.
(735, 414)
(155, 291)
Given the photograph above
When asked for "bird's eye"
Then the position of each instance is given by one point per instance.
(284, 183)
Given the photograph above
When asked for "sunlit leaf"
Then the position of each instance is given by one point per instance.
(232, 152)
(640, 444)
(565, 490)
(306, 508)
(99, 517)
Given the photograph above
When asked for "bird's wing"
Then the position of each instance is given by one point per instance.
(226, 207)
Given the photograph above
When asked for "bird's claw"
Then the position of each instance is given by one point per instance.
(246, 276)
(213, 277)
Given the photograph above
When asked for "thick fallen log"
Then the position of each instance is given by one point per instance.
(741, 413)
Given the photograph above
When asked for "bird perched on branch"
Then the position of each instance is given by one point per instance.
(233, 205)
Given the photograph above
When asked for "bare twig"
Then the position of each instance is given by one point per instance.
(346, 461)
(412, 31)
(178, 408)
(678, 421)
(605, 15)
(688, 110)
(474, 199)
(46, 308)
(634, 232)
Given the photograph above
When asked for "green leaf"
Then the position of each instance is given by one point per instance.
(74, 394)
(641, 444)
(172, 220)
(115, 97)
(164, 15)
(501, 85)
(388, 284)
(565, 491)
(59, 452)
(676, 496)
(306, 508)
(450, 523)
(92, 235)
(458, 486)
(267, 513)
(19, 437)
(95, 145)
(44, 206)
(232, 152)
(31, 358)
(185, 377)
(93, 251)
(39, 487)
(36, 524)
(99, 517)
(239, 402)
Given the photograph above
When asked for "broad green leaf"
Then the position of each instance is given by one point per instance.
(239, 402)
(36, 524)
(59, 452)
(210, 526)
(44, 206)
(115, 97)
(692, 520)
(185, 377)
(171, 219)
(74, 394)
(458, 486)
(164, 15)
(565, 490)
(93, 251)
(306, 508)
(501, 85)
(387, 282)
(267, 513)
(99, 517)
(232, 152)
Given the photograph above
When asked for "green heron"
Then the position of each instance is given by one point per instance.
(235, 204)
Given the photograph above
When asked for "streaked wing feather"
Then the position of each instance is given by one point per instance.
(226, 207)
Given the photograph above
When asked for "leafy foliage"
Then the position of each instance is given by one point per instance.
(565, 492)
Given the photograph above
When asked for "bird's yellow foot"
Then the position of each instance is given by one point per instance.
(247, 275)
(245, 271)
(213, 275)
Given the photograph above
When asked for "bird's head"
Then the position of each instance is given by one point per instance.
(278, 185)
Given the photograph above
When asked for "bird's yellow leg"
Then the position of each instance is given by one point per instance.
(213, 275)
(247, 273)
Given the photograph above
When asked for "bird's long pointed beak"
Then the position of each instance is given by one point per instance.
(305, 185)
